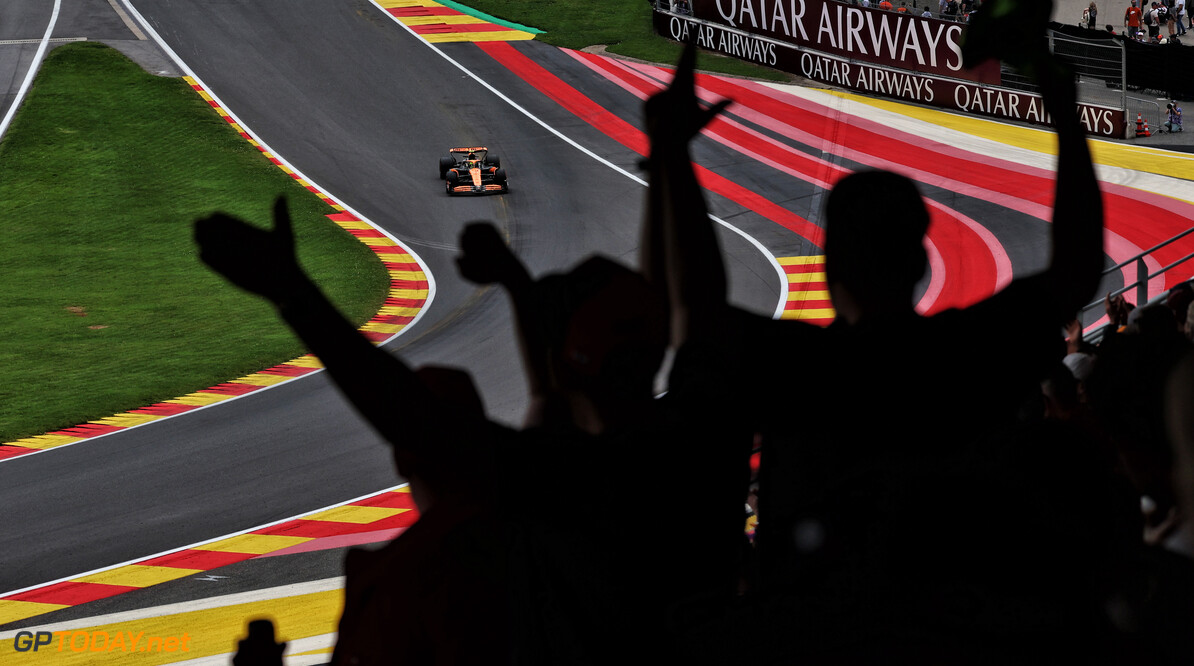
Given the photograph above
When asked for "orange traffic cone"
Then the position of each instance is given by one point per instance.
(1140, 131)
(1146, 132)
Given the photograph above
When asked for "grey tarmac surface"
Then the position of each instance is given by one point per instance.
(364, 109)
(21, 26)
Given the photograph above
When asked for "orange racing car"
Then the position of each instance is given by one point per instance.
(472, 170)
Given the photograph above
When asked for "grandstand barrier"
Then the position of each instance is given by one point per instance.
(1140, 285)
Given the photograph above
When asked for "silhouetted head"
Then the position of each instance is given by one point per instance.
(1179, 300)
(874, 241)
(1060, 389)
(1153, 321)
(606, 327)
(454, 388)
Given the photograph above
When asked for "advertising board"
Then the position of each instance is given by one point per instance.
(870, 58)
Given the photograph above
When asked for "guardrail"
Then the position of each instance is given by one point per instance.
(1148, 109)
(1140, 285)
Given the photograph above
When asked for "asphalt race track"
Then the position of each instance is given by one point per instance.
(364, 108)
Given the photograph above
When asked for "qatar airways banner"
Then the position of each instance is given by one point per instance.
(954, 95)
(883, 37)
(945, 91)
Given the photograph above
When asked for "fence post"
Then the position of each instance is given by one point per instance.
(1123, 79)
(1141, 282)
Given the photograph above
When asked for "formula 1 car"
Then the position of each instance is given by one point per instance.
(472, 170)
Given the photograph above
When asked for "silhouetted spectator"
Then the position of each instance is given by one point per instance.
(1178, 300)
(593, 339)
(259, 647)
(440, 591)
(430, 595)
(888, 400)
(1118, 310)
(1189, 326)
(1060, 389)
(1128, 392)
(1179, 419)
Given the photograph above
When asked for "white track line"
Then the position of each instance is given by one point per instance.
(41, 52)
(426, 271)
(781, 275)
(189, 72)
(202, 543)
(431, 284)
(209, 603)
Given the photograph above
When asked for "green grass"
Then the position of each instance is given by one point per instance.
(623, 25)
(106, 305)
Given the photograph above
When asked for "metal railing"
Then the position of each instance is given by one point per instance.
(1142, 275)
(1147, 108)
(1095, 59)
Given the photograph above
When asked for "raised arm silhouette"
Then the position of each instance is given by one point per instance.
(439, 593)
(870, 423)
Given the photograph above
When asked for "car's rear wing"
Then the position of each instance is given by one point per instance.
(468, 150)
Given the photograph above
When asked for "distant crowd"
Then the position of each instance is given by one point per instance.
(980, 486)
(949, 10)
(1169, 15)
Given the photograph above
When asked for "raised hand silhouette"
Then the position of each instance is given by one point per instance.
(421, 595)
(260, 647)
(675, 116)
(254, 259)
(486, 259)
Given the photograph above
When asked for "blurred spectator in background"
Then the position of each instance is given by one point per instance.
(1132, 19)
(1118, 310)
(1152, 19)
(1178, 300)
(1173, 120)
